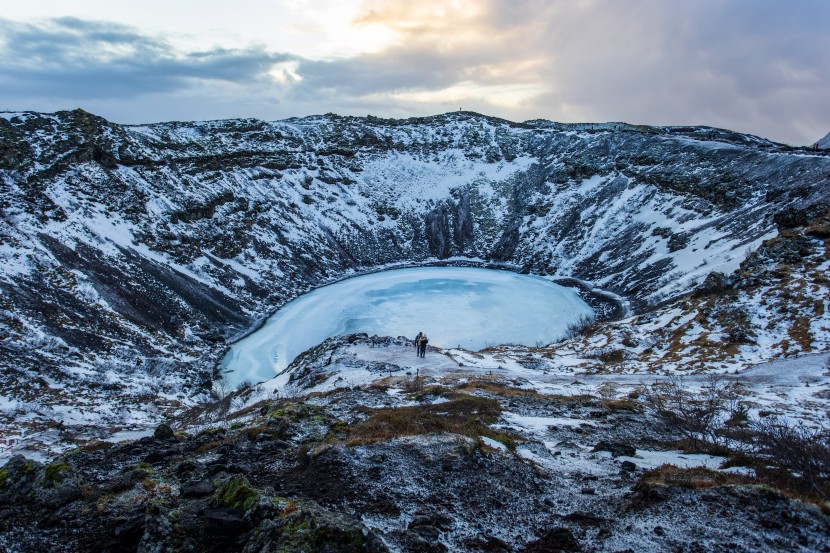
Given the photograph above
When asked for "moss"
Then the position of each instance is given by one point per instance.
(57, 471)
(4, 476)
(296, 412)
(237, 493)
(212, 431)
(140, 471)
(302, 530)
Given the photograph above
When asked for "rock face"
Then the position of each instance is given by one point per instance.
(132, 255)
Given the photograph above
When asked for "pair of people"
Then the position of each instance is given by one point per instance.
(421, 342)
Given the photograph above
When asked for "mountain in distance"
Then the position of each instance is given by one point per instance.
(823, 144)
(134, 255)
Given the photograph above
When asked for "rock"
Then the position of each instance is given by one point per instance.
(58, 484)
(617, 449)
(197, 489)
(236, 493)
(429, 533)
(311, 528)
(790, 218)
(415, 543)
(715, 283)
(164, 432)
(553, 540)
(17, 480)
(129, 530)
(628, 466)
(584, 519)
(158, 532)
(438, 520)
(225, 523)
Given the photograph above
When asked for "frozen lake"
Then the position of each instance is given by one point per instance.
(453, 306)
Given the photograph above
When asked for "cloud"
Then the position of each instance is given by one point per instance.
(82, 60)
(756, 66)
(751, 65)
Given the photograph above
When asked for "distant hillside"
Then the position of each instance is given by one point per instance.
(824, 143)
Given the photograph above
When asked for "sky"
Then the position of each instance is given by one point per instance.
(757, 66)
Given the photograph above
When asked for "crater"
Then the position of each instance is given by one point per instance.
(465, 307)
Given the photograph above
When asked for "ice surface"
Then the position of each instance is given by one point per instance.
(454, 306)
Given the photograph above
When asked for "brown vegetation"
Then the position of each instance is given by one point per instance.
(465, 415)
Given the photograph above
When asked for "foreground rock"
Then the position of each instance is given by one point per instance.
(426, 468)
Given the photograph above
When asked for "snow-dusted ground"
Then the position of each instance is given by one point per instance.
(454, 306)
(794, 388)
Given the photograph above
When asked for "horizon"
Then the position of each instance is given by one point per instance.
(403, 118)
(753, 67)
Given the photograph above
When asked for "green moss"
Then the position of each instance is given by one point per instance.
(304, 531)
(212, 431)
(297, 412)
(4, 476)
(57, 471)
(143, 469)
(236, 492)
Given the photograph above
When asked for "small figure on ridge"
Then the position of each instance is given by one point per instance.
(422, 349)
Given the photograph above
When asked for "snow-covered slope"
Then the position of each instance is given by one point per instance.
(132, 255)
(824, 143)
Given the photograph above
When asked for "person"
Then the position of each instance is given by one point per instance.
(422, 349)
(418, 344)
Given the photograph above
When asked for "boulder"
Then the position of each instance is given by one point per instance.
(617, 449)
(311, 528)
(164, 432)
(555, 539)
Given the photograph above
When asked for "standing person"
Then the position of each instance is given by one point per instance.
(418, 343)
(423, 347)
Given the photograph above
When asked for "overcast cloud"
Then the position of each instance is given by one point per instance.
(752, 65)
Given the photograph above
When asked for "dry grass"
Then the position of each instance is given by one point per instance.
(697, 478)
(465, 415)
(627, 405)
(208, 446)
(800, 333)
(252, 432)
(700, 478)
(95, 445)
(496, 388)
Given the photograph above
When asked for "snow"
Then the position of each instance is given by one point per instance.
(493, 443)
(468, 307)
(652, 459)
(540, 425)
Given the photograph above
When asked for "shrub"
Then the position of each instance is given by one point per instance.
(802, 452)
(698, 416)
(577, 328)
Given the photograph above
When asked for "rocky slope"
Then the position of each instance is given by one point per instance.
(414, 465)
(132, 255)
